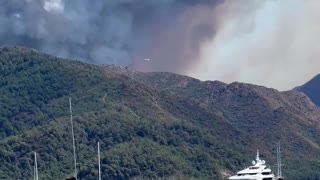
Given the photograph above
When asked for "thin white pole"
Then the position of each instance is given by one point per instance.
(99, 161)
(35, 166)
(279, 173)
(280, 168)
(73, 142)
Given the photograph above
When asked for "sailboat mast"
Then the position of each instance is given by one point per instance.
(279, 173)
(280, 168)
(73, 142)
(99, 161)
(35, 167)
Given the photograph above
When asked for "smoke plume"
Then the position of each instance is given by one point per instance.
(274, 43)
(267, 42)
(101, 32)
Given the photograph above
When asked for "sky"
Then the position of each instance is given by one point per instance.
(274, 43)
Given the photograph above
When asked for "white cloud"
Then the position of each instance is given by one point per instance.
(54, 6)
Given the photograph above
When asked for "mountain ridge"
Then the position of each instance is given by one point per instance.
(148, 124)
(311, 89)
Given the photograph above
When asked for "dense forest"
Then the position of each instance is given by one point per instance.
(149, 125)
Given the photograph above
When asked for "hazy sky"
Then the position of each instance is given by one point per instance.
(274, 43)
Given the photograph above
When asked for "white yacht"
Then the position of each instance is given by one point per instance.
(258, 171)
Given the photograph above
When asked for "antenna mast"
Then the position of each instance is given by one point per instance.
(99, 161)
(73, 142)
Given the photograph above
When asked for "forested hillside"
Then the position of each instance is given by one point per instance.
(149, 125)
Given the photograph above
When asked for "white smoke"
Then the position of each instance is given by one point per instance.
(274, 43)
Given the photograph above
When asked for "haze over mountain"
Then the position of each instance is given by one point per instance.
(148, 124)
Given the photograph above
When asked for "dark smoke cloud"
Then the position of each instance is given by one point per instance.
(118, 32)
(175, 46)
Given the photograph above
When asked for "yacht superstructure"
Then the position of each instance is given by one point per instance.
(258, 171)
